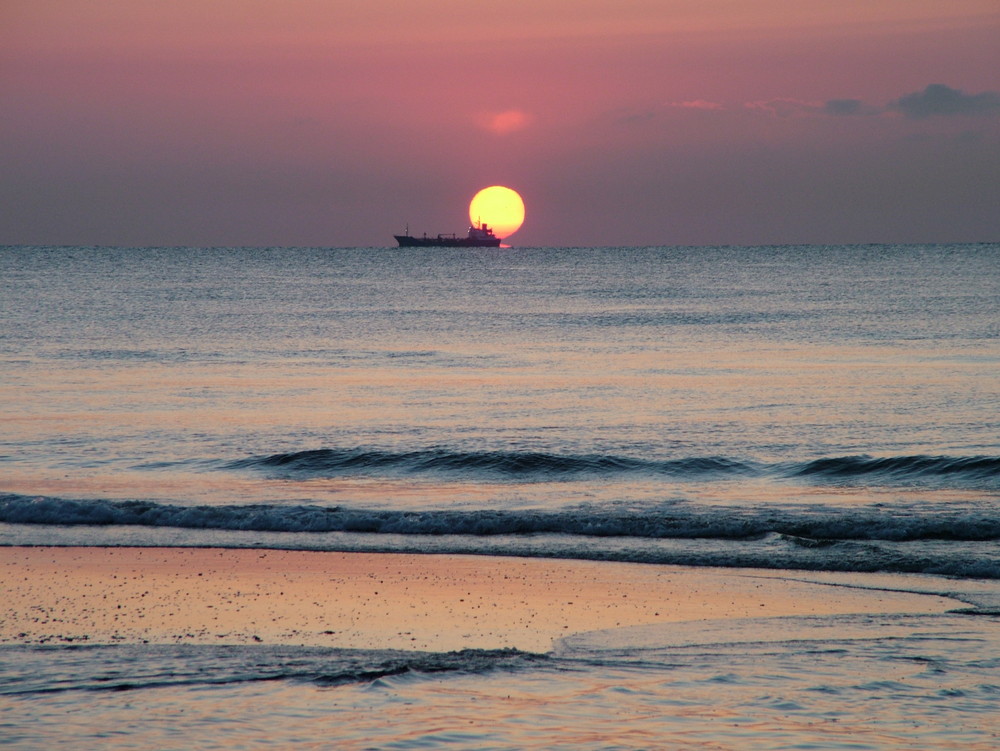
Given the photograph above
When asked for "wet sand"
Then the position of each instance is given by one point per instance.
(386, 601)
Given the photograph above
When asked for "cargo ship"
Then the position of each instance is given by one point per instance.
(480, 236)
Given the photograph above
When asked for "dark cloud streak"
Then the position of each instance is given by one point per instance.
(938, 99)
(845, 107)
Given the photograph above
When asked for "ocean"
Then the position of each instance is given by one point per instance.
(810, 409)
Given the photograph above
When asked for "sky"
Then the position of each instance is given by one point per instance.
(632, 122)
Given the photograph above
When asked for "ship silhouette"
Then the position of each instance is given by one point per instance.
(480, 236)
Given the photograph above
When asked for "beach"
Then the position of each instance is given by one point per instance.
(436, 603)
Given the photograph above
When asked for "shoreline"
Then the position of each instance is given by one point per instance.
(426, 602)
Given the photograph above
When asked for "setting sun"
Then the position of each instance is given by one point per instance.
(499, 207)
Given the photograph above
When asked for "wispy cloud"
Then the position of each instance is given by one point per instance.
(847, 107)
(938, 99)
(934, 100)
(698, 104)
(786, 107)
(508, 121)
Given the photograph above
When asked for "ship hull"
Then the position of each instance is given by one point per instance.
(406, 241)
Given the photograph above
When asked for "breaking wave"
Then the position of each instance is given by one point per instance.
(930, 536)
(512, 464)
(540, 466)
(933, 541)
(155, 666)
(901, 467)
(678, 523)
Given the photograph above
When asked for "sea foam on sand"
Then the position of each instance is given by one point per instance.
(391, 601)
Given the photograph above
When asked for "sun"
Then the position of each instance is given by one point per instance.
(499, 207)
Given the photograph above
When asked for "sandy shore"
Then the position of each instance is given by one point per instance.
(360, 600)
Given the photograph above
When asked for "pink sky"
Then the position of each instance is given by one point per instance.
(328, 122)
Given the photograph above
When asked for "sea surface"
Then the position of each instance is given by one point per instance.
(815, 409)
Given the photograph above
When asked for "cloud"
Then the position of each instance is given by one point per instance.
(847, 107)
(938, 99)
(505, 122)
(698, 104)
(786, 107)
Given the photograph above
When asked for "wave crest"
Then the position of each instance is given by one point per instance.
(540, 466)
(903, 467)
(694, 523)
(157, 666)
(503, 464)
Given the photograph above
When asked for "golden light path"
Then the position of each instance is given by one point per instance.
(499, 207)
